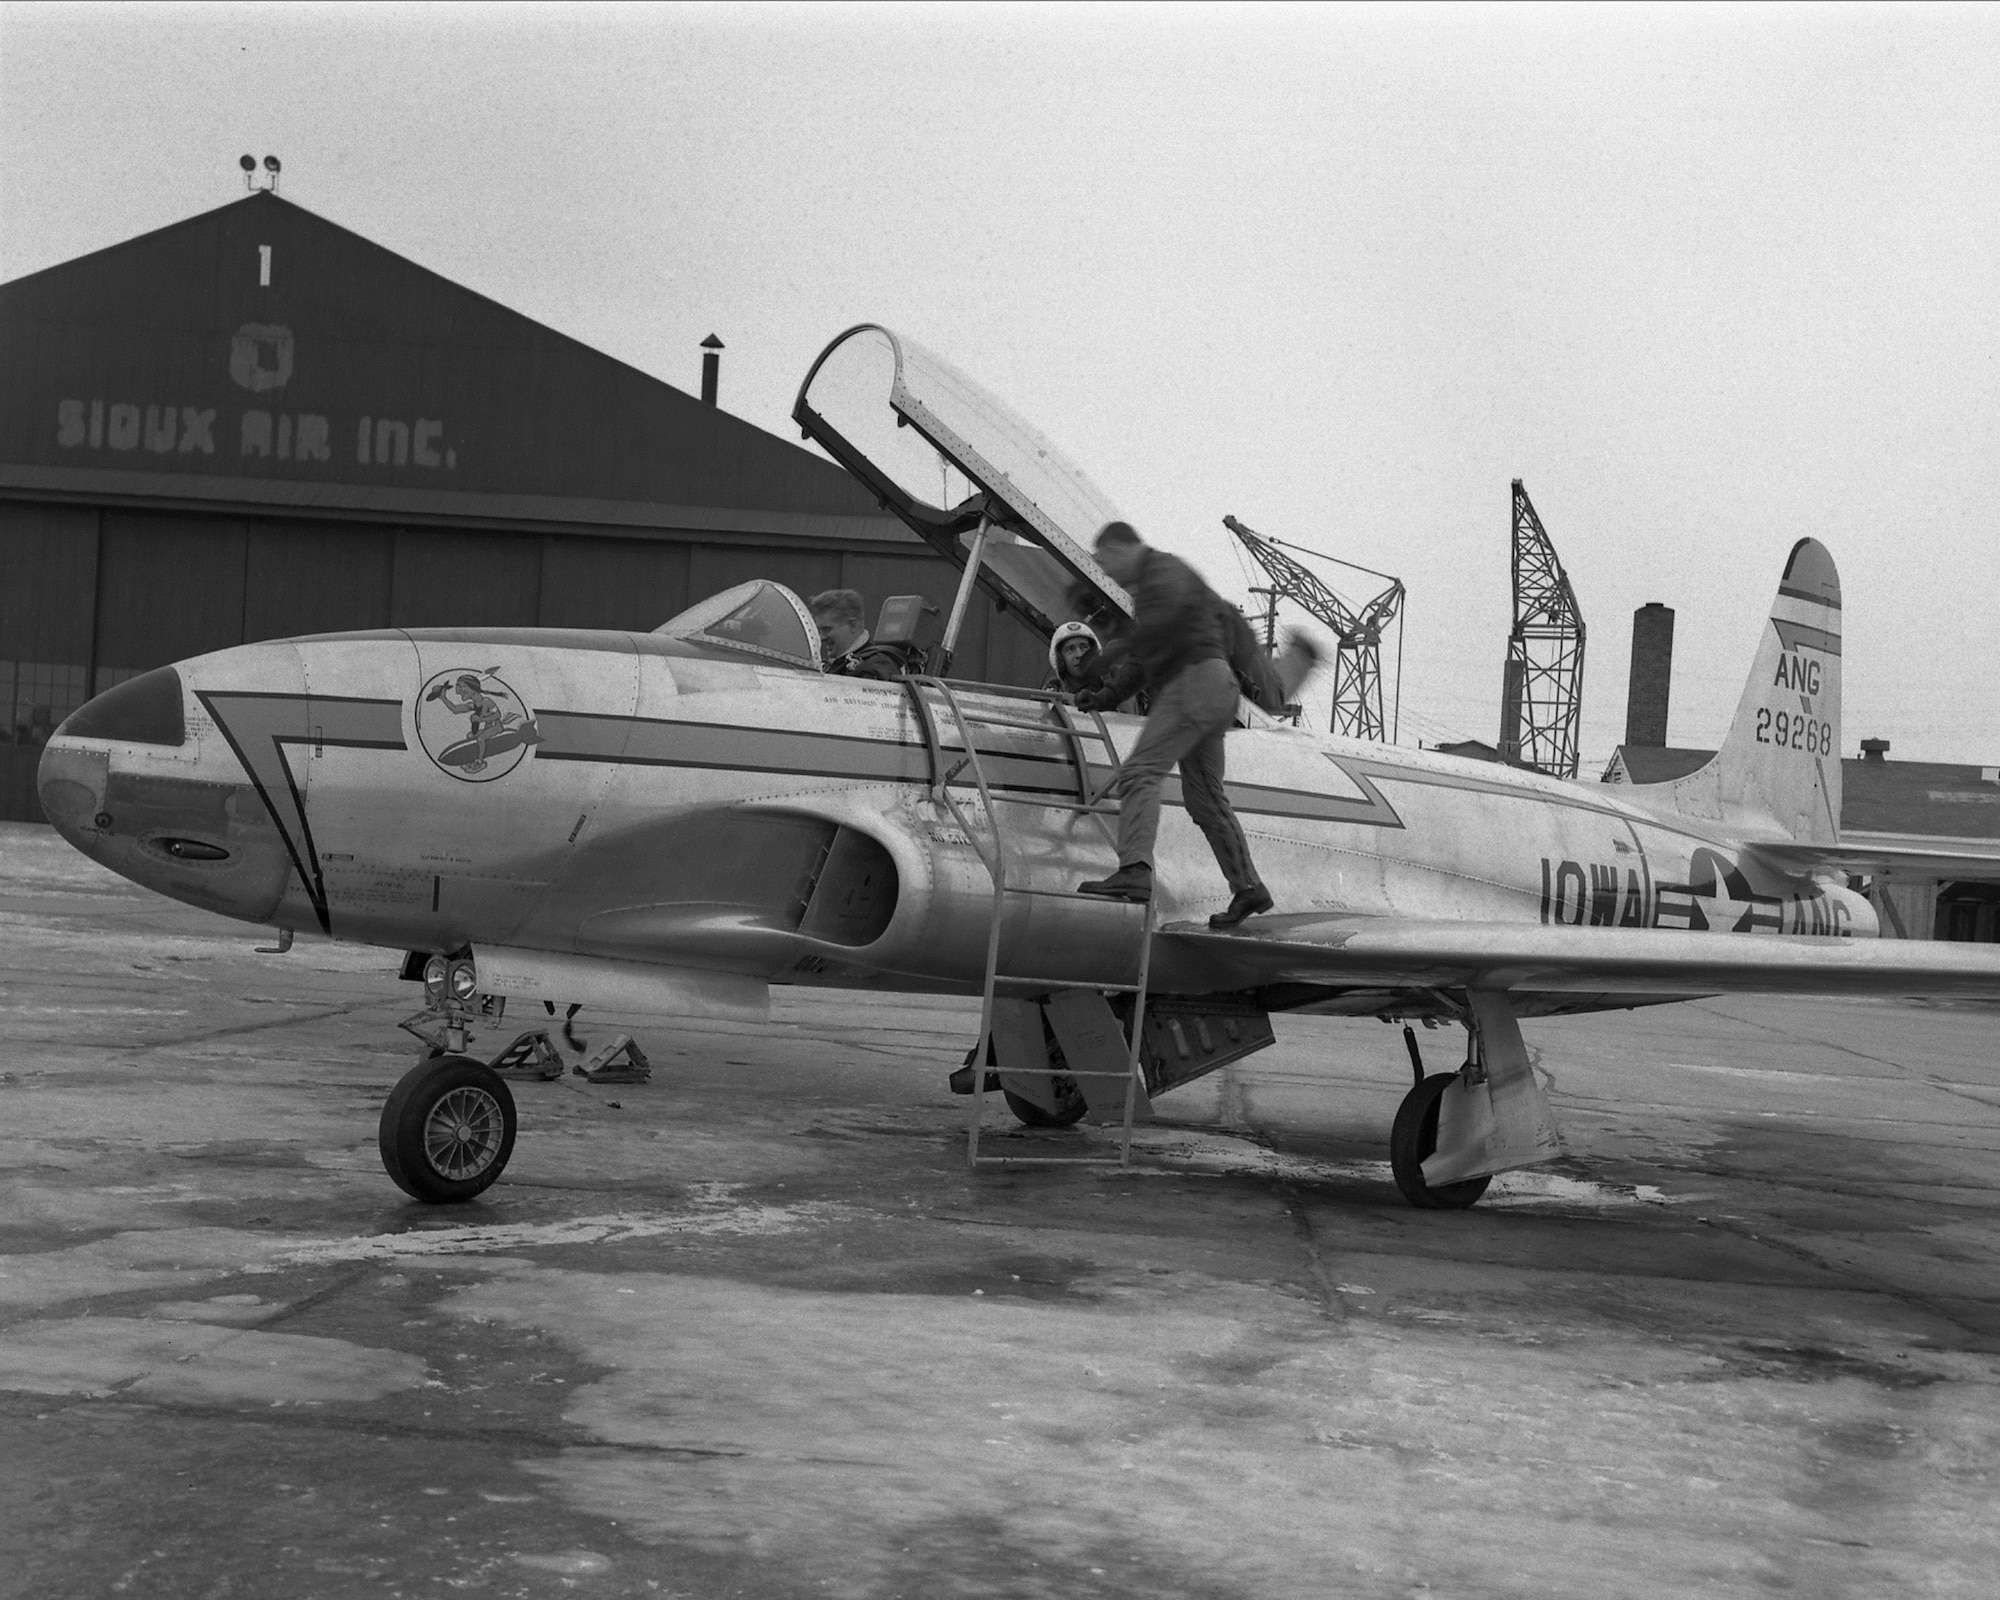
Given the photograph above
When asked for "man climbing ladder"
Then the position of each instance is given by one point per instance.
(1176, 648)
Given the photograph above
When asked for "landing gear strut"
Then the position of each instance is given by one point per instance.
(1455, 1130)
(448, 1126)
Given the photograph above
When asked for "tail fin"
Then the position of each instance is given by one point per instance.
(1777, 775)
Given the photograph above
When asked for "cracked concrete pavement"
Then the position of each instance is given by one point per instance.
(752, 1329)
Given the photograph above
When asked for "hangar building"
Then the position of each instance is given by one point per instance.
(254, 424)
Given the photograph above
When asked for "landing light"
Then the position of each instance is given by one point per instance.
(464, 981)
(434, 971)
(193, 850)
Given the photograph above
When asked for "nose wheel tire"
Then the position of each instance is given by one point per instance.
(1414, 1139)
(447, 1129)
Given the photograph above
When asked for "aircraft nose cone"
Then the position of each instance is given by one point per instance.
(73, 778)
(71, 781)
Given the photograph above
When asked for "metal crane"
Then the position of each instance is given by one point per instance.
(1357, 666)
(1541, 692)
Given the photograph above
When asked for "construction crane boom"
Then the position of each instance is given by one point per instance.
(1541, 695)
(1357, 666)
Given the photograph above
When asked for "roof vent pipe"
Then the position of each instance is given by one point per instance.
(711, 369)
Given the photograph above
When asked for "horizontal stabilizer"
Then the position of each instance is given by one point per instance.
(1893, 855)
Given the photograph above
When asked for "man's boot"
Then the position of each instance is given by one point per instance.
(1244, 903)
(1133, 883)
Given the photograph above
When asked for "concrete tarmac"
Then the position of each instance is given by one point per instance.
(753, 1329)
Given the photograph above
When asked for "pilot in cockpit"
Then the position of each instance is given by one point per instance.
(1073, 653)
(846, 648)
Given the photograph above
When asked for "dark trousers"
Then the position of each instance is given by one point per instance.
(1186, 725)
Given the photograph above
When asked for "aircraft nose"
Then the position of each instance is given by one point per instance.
(73, 777)
(123, 781)
(72, 782)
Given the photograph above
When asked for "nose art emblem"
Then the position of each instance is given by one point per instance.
(473, 726)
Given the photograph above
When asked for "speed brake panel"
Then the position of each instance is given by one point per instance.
(1186, 1039)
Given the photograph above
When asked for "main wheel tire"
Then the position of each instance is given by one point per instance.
(1070, 1105)
(447, 1129)
(1414, 1138)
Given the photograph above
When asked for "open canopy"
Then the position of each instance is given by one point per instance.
(947, 457)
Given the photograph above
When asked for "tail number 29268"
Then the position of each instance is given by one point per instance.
(1794, 731)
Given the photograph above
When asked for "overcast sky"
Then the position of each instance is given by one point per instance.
(1707, 279)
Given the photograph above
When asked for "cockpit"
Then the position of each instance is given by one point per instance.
(969, 477)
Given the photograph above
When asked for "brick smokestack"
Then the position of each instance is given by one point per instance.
(1652, 671)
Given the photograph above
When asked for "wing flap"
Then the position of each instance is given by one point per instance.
(1408, 954)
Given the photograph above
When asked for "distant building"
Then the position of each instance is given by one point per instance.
(1652, 763)
(256, 424)
(1469, 750)
(1927, 804)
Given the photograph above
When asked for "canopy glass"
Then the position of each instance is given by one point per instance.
(759, 618)
(945, 456)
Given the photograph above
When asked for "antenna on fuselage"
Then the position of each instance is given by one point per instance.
(1357, 664)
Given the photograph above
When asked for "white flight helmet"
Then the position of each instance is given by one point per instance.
(1062, 636)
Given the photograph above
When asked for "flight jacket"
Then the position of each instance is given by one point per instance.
(1176, 623)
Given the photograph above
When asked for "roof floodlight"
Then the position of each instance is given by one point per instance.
(270, 163)
(248, 163)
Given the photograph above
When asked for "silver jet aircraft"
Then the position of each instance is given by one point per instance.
(672, 822)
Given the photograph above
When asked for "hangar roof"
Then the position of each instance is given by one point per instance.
(1934, 798)
(260, 355)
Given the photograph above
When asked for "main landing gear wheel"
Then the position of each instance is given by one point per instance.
(1414, 1138)
(447, 1129)
(1070, 1105)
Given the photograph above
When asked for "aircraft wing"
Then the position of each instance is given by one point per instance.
(1896, 855)
(1394, 952)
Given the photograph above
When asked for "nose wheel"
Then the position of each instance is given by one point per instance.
(447, 1129)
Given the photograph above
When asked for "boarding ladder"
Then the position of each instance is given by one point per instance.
(958, 770)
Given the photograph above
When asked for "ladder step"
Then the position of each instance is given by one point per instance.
(1015, 798)
(1078, 806)
(1072, 894)
(1069, 731)
(1035, 981)
(999, 691)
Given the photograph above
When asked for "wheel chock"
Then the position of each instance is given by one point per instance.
(532, 1055)
(603, 1065)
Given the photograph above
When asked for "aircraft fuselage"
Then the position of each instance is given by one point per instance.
(613, 795)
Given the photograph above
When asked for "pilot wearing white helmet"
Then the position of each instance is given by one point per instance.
(1073, 651)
